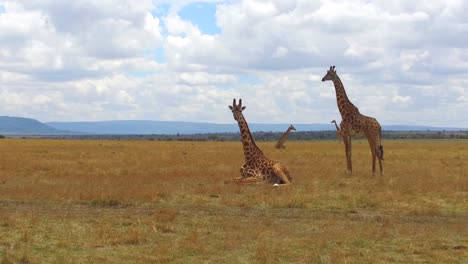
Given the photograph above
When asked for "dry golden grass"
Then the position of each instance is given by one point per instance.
(165, 202)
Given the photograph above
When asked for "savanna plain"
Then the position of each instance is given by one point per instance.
(77, 201)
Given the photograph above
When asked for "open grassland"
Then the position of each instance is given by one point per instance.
(165, 202)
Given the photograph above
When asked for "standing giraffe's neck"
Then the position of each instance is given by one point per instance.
(250, 148)
(344, 105)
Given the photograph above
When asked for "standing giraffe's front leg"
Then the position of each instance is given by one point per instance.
(347, 143)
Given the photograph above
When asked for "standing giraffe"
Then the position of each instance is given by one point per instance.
(257, 167)
(354, 123)
(284, 137)
(339, 136)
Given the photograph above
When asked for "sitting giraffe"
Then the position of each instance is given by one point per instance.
(257, 167)
(354, 123)
(339, 136)
(284, 137)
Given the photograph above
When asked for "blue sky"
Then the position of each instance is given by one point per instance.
(203, 15)
(182, 60)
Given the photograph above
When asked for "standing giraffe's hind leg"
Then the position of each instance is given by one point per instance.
(377, 153)
(374, 156)
(380, 156)
(282, 173)
(374, 152)
(381, 152)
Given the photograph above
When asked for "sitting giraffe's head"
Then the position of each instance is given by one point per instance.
(331, 73)
(237, 109)
(291, 127)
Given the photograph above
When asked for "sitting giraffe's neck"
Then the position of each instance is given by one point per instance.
(283, 138)
(251, 151)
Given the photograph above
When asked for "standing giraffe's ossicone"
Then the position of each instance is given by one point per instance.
(354, 123)
(284, 137)
(257, 167)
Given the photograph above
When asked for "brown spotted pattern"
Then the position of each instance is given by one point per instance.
(354, 124)
(257, 167)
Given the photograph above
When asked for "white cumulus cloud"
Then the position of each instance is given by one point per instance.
(401, 62)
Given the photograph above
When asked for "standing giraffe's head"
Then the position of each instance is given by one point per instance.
(291, 127)
(331, 73)
(237, 109)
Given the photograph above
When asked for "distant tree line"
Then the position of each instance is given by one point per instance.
(268, 136)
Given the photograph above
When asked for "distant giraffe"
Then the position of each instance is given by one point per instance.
(257, 167)
(284, 137)
(354, 123)
(339, 136)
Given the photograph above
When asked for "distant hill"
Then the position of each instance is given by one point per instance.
(420, 128)
(171, 127)
(25, 126)
(145, 127)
